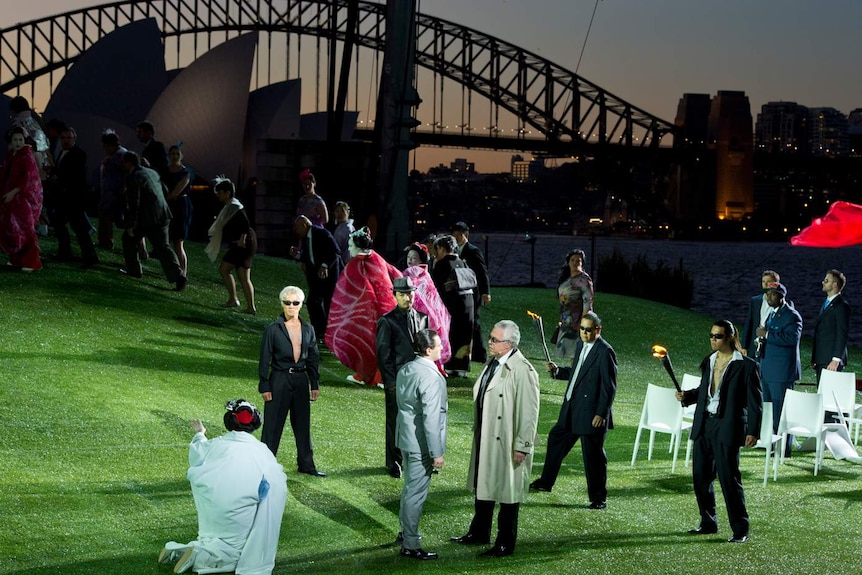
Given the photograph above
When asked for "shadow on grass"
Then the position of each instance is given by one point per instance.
(339, 510)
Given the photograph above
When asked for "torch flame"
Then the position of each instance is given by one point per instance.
(533, 315)
(659, 351)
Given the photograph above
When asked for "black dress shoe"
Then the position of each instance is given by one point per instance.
(313, 473)
(735, 539)
(537, 485)
(418, 554)
(703, 530)
(497, 551)
(182, 282)
(598, 505)
(126, 272)
(395, 471)
(471, 539)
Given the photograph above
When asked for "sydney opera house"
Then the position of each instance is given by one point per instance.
(258, 138)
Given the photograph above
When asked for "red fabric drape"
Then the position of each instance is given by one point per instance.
(840, 227)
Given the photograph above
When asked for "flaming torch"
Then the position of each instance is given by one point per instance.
(661, 353)
(537, 323)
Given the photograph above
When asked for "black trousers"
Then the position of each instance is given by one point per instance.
(158, 236)
(76, 218)
(393, 454)
(711, 458)
(507, 522)
(560, 443)
(290, 396)
(318, 300)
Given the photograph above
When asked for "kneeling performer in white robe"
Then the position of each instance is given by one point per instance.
(240, 492)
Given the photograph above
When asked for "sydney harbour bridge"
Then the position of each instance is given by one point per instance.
(399, 78)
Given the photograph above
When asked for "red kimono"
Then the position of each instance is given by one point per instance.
(363, 293)
(19, 217)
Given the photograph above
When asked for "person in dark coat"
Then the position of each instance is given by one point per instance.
(321, 262)
(473, 257)
(69, 177)
(586, 412)
(458, 301)
(728, 413)
(832, 326)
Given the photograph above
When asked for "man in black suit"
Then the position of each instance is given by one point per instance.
(586, 412)
(70, 199)
(758, 312)
(832, 326)
(729, 408)
(396, 332)
(474, 259)
(147, 216)
(321, 262)
(154, 151)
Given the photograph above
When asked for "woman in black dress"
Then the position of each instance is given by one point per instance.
(458, 301)
(232, 227)
(177, 180)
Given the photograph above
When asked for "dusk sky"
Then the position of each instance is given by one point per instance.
(650, 52)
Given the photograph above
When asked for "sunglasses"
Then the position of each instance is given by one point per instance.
(587, 329)
(285, 302)
(716, 336)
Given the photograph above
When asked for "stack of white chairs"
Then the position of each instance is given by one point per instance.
(662, 413)
(838, 389)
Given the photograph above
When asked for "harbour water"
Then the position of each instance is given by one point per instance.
(725, 274)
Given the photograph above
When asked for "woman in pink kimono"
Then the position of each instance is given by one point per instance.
(20, 204)
(363, 293)
(426, 298)
(240, 491)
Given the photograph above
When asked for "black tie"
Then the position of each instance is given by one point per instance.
(486, 379)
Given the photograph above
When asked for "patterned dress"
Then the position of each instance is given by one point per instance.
(19, 217)
(576, 298)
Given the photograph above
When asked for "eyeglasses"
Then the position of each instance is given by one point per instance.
(716, 336)
(285, 302)
(587, 329)
(495, 340)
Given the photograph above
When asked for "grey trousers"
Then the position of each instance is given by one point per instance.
(417, 478)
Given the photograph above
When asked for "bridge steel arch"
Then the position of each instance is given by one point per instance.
(563, 108)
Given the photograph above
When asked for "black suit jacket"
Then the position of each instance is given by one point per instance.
(830, 333)
(156, 154)
(473, 257)
(71, 173)
(594, 389)
(740, 405)
(326, 252)
(395, 331)
(752, 322)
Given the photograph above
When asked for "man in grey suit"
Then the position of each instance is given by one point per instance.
(832, 327)
(420, 435)
(396, 331)
(147, 216)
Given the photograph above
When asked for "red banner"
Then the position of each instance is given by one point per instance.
(840, 227)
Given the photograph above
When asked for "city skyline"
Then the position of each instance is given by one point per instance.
(651, 53)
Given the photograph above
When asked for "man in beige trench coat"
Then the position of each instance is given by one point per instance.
(506, 413)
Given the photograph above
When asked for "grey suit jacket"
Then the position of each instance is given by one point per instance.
(420, 391)
(145, 201)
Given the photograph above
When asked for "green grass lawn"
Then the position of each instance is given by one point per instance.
(99, 374)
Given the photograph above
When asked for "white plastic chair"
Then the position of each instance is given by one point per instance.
(768, 440)
(840, 386)
(689, 382)
(803, 415)
(662, 413)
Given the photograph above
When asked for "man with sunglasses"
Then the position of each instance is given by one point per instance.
(586, 412)
(289, 370)
(729, 408)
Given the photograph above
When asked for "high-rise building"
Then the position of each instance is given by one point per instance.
(730, 135)
(523, 170)
(854, 132)
(827, 132)
(462, 167)
(782, 128)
